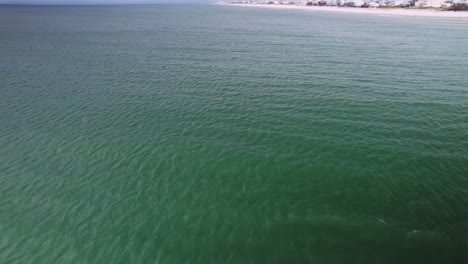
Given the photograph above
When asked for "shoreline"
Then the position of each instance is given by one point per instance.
(357, 10)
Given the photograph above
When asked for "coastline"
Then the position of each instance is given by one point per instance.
(357, 10)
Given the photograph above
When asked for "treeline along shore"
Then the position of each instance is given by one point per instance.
(433, 5)
(429, 8)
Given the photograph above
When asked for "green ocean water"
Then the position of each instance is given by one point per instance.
(212, 134)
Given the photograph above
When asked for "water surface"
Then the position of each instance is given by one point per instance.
(212, 134)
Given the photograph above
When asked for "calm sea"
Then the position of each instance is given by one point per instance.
(212, 134)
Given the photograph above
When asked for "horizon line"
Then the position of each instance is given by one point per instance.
(98, 4)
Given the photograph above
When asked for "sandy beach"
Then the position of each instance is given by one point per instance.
(375, 11)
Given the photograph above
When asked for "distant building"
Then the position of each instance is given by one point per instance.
(429, 3)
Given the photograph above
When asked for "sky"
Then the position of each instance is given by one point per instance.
(73, 2)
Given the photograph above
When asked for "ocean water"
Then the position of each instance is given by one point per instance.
(212, 134)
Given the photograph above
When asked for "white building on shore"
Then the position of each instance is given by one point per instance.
(429, 3)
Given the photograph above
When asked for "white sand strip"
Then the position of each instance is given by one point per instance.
(376, 11)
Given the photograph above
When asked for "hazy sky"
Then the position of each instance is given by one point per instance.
(102, 1)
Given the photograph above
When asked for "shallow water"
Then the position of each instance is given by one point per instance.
(214, 134)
